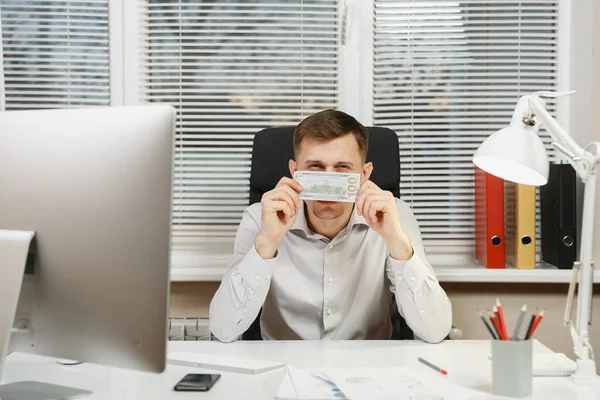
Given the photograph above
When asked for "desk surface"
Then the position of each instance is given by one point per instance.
(465, 360)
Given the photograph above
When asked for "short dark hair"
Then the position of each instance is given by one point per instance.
(328, 125)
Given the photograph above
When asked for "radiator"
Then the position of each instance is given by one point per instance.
(197, 329)
(189, 329)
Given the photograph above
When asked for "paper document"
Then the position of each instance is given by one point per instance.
(553, 364)
(307, 384)
(368, 384)
(222, 363)
(328, 186)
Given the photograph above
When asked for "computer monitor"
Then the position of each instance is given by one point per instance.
(95, 187)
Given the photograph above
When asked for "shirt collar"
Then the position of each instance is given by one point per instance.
(301, 223)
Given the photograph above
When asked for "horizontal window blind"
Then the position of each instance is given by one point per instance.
(55, 53)
(232, 68)
(446, 75)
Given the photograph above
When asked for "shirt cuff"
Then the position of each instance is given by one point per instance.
(255, 269)
(410, 274)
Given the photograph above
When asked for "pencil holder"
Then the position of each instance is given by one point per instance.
(512, 370)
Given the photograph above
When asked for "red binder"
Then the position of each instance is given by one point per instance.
(489, 220)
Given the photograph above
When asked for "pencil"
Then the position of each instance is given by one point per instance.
(435, 367)
(487, 325)
(533, 316)
(535, 324)
(501, 319)
(519, 322)
(491, 318)
(497, 325)
(497, 316)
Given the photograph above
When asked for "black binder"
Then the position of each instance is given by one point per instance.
(559, 217)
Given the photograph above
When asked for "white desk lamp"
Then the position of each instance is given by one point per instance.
(517, 154)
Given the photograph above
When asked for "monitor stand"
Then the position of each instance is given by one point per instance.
(14, 250)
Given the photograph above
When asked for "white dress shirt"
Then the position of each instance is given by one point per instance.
(316, 288)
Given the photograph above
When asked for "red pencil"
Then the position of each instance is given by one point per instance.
(537, 321)
(497, 316)
(501, 318)
(497, 325)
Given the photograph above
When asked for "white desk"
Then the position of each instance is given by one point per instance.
(465, 360)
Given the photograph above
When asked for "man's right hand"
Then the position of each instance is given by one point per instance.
(279, 211)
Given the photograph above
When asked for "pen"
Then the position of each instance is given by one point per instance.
(519, 322)
(430, 365)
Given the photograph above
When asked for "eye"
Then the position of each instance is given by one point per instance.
(315, 166)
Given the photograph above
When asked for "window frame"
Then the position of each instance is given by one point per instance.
(208, 262)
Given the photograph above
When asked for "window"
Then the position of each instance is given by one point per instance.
(55, 53)
(447, 74)
(443, 74)
(232, 68)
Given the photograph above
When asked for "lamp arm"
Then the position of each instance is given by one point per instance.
(583, 161)
(585, 164)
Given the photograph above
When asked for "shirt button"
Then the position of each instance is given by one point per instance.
(329, 311)
(400, 277)
(257, 277)
(422, 311)
(268, 277)
(245, 309)
(412, 278)
(330, 279)
(330, 246)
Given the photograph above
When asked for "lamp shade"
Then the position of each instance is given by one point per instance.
(516, 154)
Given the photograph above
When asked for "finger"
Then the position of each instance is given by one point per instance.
(362, 198)
(276, 206)
(364, 186)
(374, 207)
(283, 195)
(293, 194)
(371, 197)
(297, 187)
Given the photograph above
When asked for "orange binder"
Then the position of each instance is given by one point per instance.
(489, 220)
(520, 225)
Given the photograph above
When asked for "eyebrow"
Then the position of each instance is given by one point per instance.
(348, 163)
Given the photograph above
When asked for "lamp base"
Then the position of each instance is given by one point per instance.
(586, 373)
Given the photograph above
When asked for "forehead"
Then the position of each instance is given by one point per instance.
(345, 147)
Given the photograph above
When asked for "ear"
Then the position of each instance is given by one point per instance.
(293, 167)
(366, 172)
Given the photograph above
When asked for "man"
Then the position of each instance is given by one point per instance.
(327, 270)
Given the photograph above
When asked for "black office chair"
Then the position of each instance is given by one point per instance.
(272, 150)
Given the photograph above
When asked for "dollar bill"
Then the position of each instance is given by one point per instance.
(328, 186)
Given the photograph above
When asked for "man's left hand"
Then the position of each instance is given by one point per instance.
(379, 210)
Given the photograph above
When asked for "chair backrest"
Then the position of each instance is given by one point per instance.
(273, 149)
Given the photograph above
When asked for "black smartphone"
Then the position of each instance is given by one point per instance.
(197, 382)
